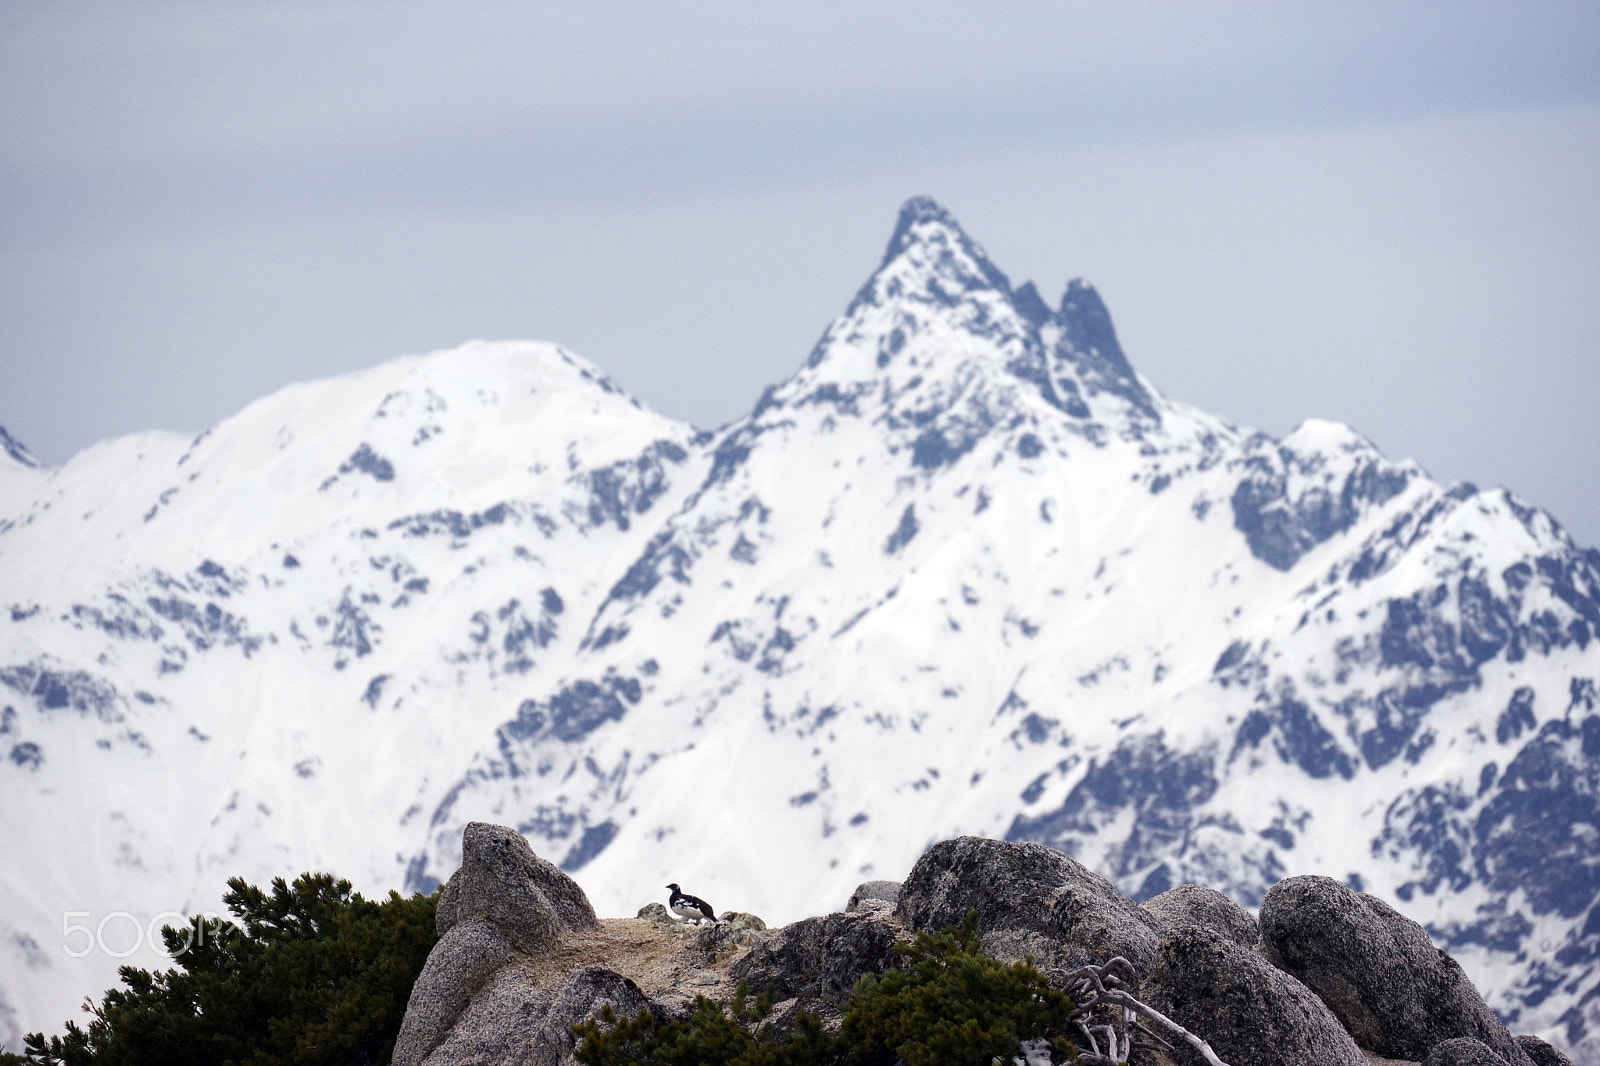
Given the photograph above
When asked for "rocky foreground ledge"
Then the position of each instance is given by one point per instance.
(1325, 977)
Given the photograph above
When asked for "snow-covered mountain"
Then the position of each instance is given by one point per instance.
(965, 572)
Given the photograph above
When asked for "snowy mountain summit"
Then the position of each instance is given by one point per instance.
(965, 572)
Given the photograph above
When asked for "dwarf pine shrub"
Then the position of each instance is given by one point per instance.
(309, 974)
(952, 1005)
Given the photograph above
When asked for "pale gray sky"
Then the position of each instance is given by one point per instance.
(1382, 213)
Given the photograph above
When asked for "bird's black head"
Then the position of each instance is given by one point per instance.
(675, 888)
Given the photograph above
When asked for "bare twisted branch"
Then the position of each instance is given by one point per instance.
(1110, 989)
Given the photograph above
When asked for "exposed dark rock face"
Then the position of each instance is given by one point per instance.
(1462, 1051)
(1207, 908)
(1251, 1013)
(1158, 785)
(819, 960)
(1376, 969)
(14, 448)
(1088, 344)
(1288, 502)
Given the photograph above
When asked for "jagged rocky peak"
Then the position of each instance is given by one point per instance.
(934, 284)
(1087, 350)
(16, 451)
(928, 239)
(938, 319)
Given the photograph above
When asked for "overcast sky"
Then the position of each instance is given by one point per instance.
(1386, 214)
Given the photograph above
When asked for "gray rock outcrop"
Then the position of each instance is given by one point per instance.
(503, 903)
(657, 913)
(1328, 977)
(1462, 1051)
(1250, 1012)
(461, 964)
(585, 994)
(1005, 882)
(1376, 969)
(529, 900)
(1030, 900)
(819, 960)
(734, 933)
(1205, 907)
(1542, 1053)
(888, 891)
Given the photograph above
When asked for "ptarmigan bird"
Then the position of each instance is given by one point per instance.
(687, 906)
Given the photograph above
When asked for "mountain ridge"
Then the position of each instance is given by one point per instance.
(964, 571)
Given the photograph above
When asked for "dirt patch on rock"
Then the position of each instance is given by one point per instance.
(665, 961)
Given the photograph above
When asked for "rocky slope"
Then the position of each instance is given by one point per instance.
(966, 571)
(1329, 977)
